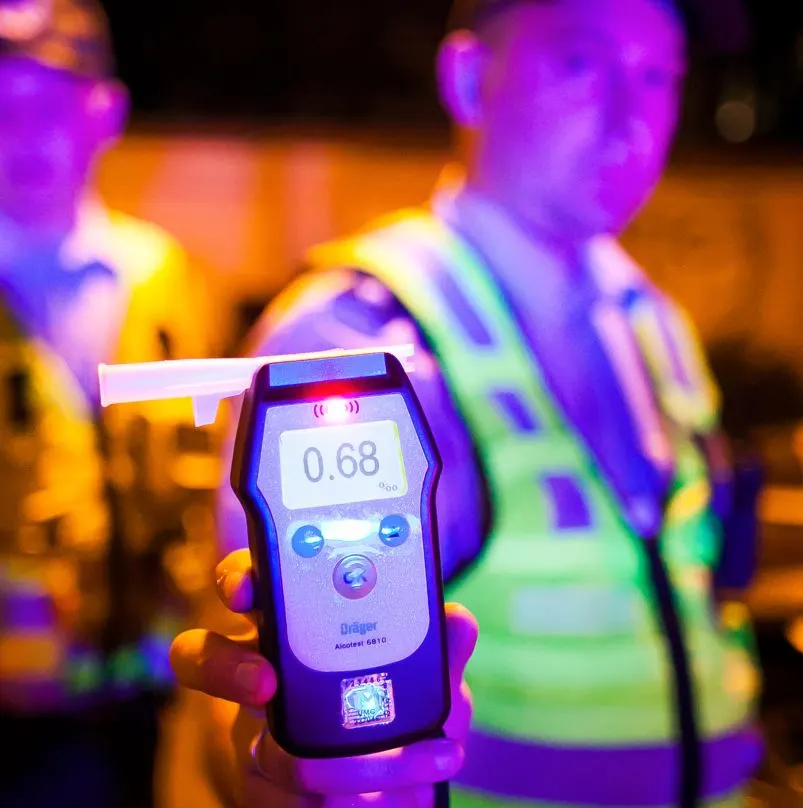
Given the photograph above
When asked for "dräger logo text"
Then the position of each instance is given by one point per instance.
(357, 628)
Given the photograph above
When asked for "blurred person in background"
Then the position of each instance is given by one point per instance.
(101, 518)
(586, 510)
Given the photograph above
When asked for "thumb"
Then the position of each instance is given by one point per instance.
(461, 637)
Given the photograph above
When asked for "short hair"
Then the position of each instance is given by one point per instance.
(714, 25)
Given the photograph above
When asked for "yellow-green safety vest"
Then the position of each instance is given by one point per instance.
(570, 679)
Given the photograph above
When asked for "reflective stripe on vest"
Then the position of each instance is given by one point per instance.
(569, 652)
(582, 776)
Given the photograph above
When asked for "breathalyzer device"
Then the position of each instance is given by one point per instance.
(336, 469)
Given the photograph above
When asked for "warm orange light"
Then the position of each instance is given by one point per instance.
(794, 634)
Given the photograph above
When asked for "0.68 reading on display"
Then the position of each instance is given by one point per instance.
(337, 465)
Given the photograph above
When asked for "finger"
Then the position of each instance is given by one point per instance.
(422, 763)
(461, 632)
(268, 759)
(222, 668)
(261, 792)
(458, 724)
(234, 582)
(270, 787)
(419, 797)
(461, 637)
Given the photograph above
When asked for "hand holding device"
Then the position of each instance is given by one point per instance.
(209, 662)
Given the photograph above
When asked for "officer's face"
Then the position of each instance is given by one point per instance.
(576, 105)
(49, 136)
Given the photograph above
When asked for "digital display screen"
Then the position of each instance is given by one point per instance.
(338, 465)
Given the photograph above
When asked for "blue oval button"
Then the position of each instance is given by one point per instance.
(394, 530)
(308, 541)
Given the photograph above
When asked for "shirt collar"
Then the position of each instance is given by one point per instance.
(508, 248)
(90, 240)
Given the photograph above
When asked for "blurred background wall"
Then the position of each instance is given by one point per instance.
(725, 239)
(261, 127)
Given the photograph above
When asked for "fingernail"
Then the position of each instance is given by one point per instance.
(248, 677)
(230, 583)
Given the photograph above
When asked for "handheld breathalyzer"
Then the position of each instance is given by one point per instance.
(336, 469)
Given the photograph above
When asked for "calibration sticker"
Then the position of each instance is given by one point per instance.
(367, 701)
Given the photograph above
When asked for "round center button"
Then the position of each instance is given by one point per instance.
(308, 541)
(354, 577)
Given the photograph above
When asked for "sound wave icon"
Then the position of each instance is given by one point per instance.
(336, 408)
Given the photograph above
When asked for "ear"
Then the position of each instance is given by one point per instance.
(107, 108)
(460, 65)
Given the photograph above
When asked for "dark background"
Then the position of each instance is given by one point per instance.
(247, 63)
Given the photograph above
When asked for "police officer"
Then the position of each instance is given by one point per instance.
(100, 518)
(584, 501)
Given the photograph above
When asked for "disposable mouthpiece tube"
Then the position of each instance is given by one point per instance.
(200, 378)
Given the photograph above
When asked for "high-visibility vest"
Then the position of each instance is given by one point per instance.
(572, 687)
(102, 514)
